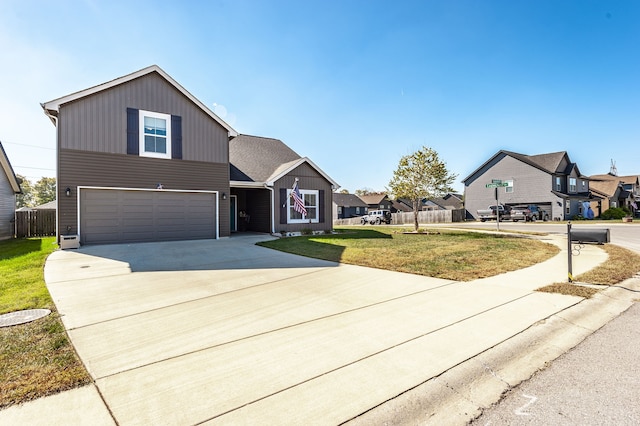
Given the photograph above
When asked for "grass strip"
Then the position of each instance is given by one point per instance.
(621, 265)
(37, 358)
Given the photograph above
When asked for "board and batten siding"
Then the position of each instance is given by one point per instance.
(308, 178)
(80, 168)
(7, 207)
(98, 122)
(530, 185)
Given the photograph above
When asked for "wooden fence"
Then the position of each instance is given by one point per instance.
(424, 217)
(35, 223)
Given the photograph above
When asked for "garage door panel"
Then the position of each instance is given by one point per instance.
(110, 215)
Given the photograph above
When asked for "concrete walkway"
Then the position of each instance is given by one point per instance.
(223, 331)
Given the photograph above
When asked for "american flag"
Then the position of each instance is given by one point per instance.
(298, 202)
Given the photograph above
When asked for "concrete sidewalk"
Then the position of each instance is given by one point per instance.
(228, 332)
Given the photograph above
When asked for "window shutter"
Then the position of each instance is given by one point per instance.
(176, 137)
(133, 132)
(283, 206)
(321, 206)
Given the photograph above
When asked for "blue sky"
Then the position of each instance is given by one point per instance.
(353, 85)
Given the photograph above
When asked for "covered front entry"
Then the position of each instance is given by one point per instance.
(117, 215)
(253, 209)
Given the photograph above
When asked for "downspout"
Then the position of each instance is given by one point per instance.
(273, 213)
(54, 120)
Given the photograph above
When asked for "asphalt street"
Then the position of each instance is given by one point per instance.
(596, 383)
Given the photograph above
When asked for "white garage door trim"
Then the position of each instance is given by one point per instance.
(217, 199)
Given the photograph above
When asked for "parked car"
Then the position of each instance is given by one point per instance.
(528, 213)
(491, 213)
(376, 217)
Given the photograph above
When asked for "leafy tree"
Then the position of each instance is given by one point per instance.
(421, 175)
(344, 191)
(45, 190)
(27, 198)
(364, 191)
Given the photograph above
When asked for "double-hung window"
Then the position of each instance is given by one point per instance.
(573, 187)
(311, 202)
(558, 184)
(155, 134)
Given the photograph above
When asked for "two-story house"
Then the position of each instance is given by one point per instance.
(616, 191)
(141, 159)
(551, 181)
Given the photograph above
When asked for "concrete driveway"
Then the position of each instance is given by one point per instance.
(223, 331)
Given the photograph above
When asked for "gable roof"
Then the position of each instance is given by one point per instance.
(632, 179)
(373, 198)
(52, 107)
(348, 200)
(256, 159)
(5, 165)
(549, 163)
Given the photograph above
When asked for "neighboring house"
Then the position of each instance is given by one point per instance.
(9, 187)
(401, 206)
(263, 172)
(141, 159)
(51, 205)
(377, 201)
(551, 181)
(616, 191)
(346, 206)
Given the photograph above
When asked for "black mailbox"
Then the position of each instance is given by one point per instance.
(593, 235)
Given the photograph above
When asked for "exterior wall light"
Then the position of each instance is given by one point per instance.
(67, 192)
(224, 195)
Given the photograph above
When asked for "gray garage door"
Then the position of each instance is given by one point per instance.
(116, 216)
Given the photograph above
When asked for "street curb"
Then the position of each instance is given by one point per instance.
(460, 394)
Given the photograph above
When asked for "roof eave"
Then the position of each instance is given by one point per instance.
(281, 173)
(53, 107)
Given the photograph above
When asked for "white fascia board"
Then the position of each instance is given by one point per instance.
(281, 173)
(245, 184)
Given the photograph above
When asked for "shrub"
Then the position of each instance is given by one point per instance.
(306, 231)
(614, 213)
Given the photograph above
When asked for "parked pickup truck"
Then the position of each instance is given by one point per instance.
(491, 213)
(528, 213)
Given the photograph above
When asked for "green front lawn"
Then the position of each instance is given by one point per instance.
(454, 255)
(36, 359)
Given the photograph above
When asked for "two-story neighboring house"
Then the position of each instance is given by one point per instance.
(346, 206)
(616, 191)
(142, 159)
(551, 181)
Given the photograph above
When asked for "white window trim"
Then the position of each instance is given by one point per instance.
(509, 188)
(573, 187)
(167, 117)
(302, 193)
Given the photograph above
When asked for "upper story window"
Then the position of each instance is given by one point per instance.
(155, 134)
(558, 183)
(573, 185)
(509, 187)
(584, 185)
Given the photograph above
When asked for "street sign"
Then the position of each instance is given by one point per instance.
(496, 181)
(497, 185)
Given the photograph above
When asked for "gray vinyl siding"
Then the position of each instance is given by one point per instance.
(530, 185)
(308, 178)
(7, 207)
(98, 122)
(78, 168)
